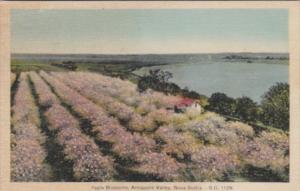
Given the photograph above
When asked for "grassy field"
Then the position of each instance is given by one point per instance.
(120, 69)
(24, 65)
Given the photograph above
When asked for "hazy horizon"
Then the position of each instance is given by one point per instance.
(153, 53)
(154, 31)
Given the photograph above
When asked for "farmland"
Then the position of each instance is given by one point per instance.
(84, 126)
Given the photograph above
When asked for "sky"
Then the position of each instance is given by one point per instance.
(148, 31)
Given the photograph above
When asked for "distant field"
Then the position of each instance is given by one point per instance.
(29, 65)
(84, 126)
(121, 69)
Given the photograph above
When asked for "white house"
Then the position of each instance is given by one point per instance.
(186, 105)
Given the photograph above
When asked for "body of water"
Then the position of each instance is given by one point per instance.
(234, 79)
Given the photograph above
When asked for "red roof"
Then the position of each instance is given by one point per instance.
(185, 102)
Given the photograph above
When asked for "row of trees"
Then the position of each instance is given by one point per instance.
(273, 110)
(70, 65)
(159, 80)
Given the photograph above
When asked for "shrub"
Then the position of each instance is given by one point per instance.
(28, 131)
(159, 116)
(24, 109)
(28, 157)
(212, 163)
(277, 141)
(89, 164)
(46, 97)
(263, 156)
(192, 113)
(241, 129)
(275, 106)
(178, 118)
(132, 147)
(179, 144)
(28, 161)
(139, 123)
(211, 134)
(160, 165)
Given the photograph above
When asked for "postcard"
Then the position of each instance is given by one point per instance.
(150, 96)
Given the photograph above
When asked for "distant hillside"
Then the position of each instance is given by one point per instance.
(148, 58)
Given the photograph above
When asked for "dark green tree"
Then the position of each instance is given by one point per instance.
(275, 106)
(246, 109)
(159, 80)
(222, 104)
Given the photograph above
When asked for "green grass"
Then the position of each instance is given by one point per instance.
(115, 70)
(24, 65)
(257, 126)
